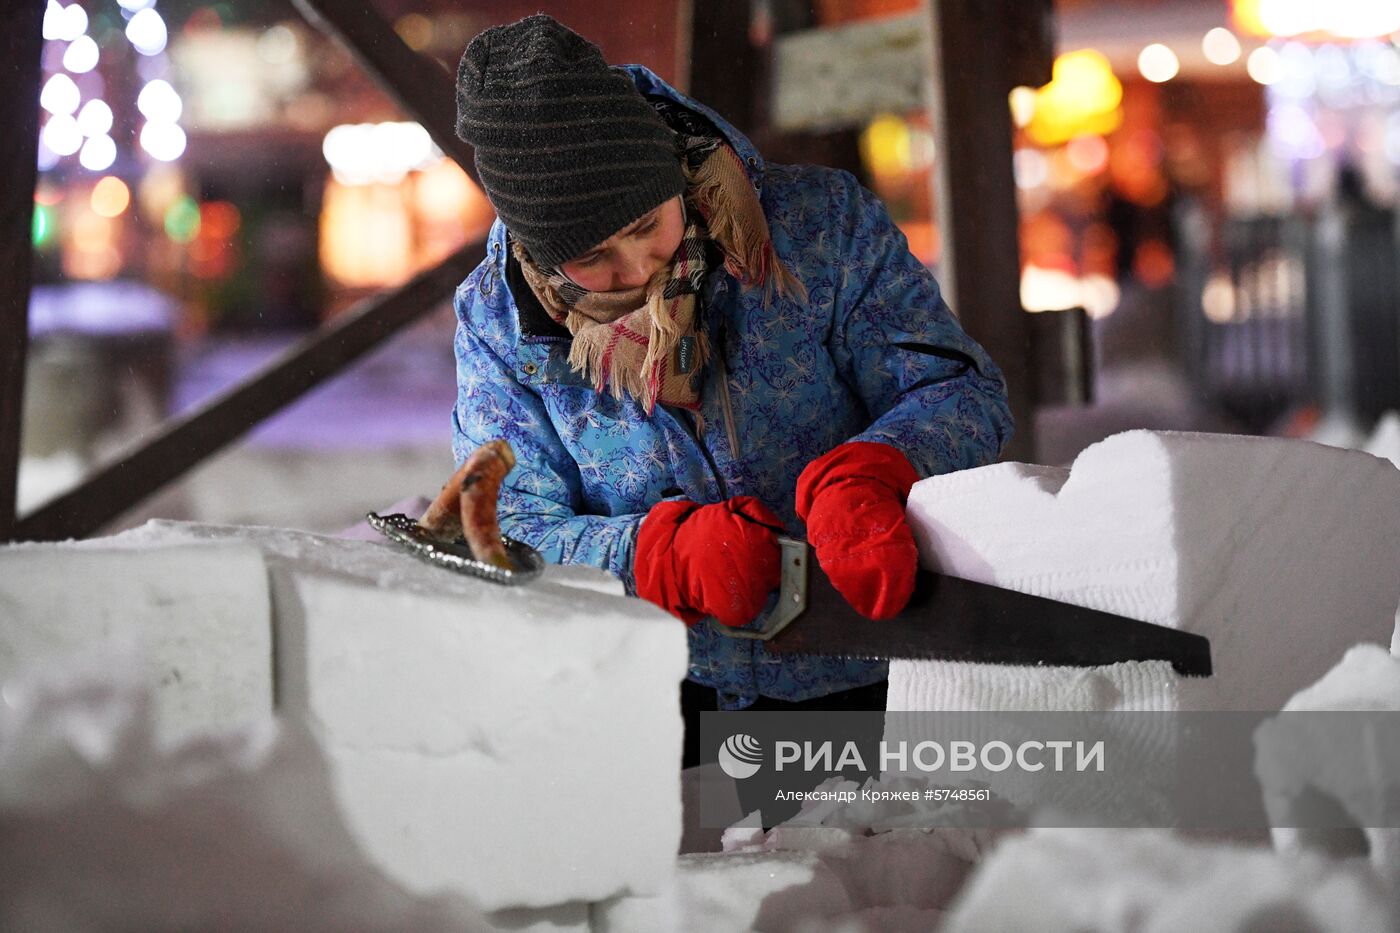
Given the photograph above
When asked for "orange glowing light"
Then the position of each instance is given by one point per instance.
(110, 197)
(218, 220)
(1153, 264)
(1247, 17)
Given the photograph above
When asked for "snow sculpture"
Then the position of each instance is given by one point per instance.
(1251, 542)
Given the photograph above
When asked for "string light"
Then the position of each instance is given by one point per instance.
(1158, 63)
(95, 118)
(147, 32)
(98, 153)
(60, 95)
(1264, 65)
(1221, 47)
(159, 102)
(163, 141)
(81, 57)
(61, 134)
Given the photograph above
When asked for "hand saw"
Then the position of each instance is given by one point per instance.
(951, 619)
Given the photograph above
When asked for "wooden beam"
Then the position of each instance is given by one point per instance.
(189, 439)
(974, 43)
(421, 86)
(21, 45)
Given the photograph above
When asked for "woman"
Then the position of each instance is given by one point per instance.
(691, 350)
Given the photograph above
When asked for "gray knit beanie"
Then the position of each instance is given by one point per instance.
(567, 148)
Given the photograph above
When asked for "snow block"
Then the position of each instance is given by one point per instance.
(520, 745)
(1298, 767)
(1281, 552)
(201, 609)
(1071, 880)
(105, 827)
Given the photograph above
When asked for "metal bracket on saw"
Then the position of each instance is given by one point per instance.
(792, 594)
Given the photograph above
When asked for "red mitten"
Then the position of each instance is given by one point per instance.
(718, 560)
(852, 500)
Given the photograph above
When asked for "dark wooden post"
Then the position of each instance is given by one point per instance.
(981, 50)
(20, 47)
(726, 70)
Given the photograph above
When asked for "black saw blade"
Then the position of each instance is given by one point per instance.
(951, 619)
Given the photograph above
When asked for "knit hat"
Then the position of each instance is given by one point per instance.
(567, 148)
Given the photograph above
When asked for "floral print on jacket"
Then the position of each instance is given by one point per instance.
(873, 354)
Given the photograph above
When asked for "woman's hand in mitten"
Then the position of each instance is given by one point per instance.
(852, 500)
(700, 560)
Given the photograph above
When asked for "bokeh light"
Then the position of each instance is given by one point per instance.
(110, 197)
(1158, 63)
(1221, 47)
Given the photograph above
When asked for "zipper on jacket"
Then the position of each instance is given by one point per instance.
(727, 407)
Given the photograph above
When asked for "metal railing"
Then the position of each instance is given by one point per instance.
(1279, 312)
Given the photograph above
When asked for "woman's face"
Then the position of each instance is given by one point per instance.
(630, 257)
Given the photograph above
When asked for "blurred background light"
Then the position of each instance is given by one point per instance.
(1221, 47)
(98, 153)
(60, 95)
(163, 141)
(1158, 63)
(95, 118)
(81, 57)
(61, 134)
(110, 196)
(159, 102)
(1264, 65)
(147, 33)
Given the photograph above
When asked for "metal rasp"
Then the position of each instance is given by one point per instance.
(952, 619)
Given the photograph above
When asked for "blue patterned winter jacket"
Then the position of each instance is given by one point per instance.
(873, 354)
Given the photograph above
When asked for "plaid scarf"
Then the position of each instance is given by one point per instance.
(646, 341)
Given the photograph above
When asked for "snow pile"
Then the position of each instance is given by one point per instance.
(1068, 881)
(801, 879)
(102, 827)
(466, 722)
(1282, 552)
(826, 869)
(1305, 763)
(201, 609)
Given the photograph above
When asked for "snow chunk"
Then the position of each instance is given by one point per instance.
(202, 608)
(466, 722)
(1070, 880)
(733, 893)
(1385, 439)
(1305, 763)
(1282, 552)
(102, 827)
(803, 878)
(1367, 678)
